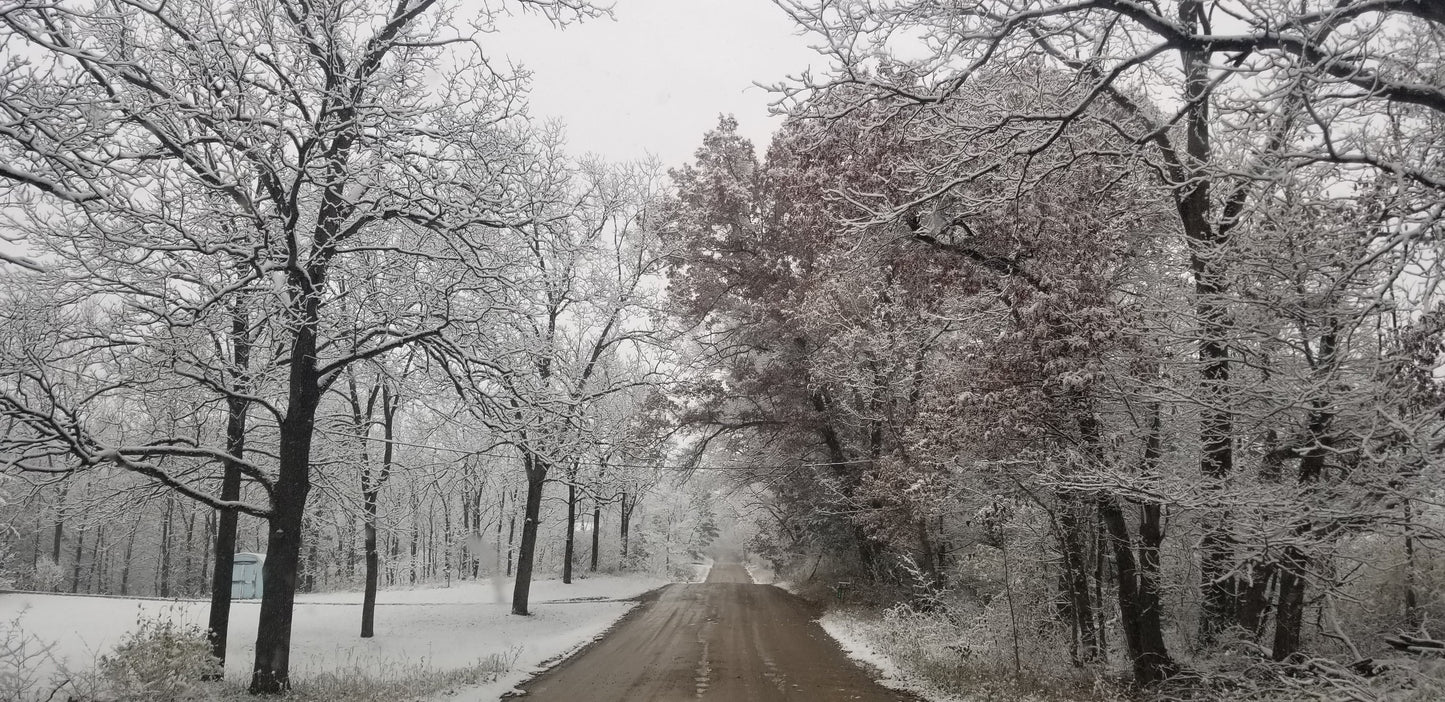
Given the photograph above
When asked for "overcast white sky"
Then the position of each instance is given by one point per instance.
(655, 78)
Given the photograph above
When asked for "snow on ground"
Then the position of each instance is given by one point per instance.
(760, 572)
(851, 633)
(700, 569)
(440, 628)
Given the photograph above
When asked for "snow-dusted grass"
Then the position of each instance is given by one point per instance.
(424, 630)
(854, 636)
(913, 653)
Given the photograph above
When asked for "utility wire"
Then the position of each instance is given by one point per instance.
(608, 464)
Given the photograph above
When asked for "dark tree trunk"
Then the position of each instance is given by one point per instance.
(1073, 544)
(1101, 575)
(373, 562)
(536, 478)
(596, 532)
(208, 538)
(1136, 577)
(272, 669)
(163, 584)
(370, 492)
(512, 533)
(129, 552)
(1295, 564)
(464, 564)
(1255, 596)
(428, 546)
(1289, 611)
(226, 523)
(395, 558)
(570, 547)
(1206, 243)
(1413, 615)
(59, 533)
(1138, 599)
(501, 517)
(415, 533)
(79, 553)
(188, 570)
(931, 571)
(1254, 604)
(92, 583)
(445, 541)
(39, 535)
(623, 521)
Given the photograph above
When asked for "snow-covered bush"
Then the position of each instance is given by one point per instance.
(47, 575)
(8, 576)
(160, 660)
(22, 657)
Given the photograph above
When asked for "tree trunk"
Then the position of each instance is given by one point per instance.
(501, 516)
(79, 553)
(1254, 605)
(163, 583)
(931, 572)
(596, 532)
(1294, 566)
(446, 541)
(208, 538)
(624, 519)
(1138, 597)
(92, 582)
(1289, 611)
(39, 535)
(59, 525)
(511, 533)
(569, 549)
(370, 492)
(373, 562)
(536, 478)
(1136, 577)
(129, 552)
(415, 532)
(188, 571)
(395, 558)
(272, 669)
(1206, 241)
(1414, 617)
(1073, 544)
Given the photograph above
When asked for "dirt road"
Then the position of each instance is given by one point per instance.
(724, 639)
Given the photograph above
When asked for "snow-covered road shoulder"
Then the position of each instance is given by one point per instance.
(851, 633)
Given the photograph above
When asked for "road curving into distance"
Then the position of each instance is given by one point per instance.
(723, 639)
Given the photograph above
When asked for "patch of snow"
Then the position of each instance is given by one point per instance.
(441, 628)
(851, 633)
(542, 651)
(700, 570)
(762, 574)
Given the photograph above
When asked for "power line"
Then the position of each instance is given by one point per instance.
(608, 464)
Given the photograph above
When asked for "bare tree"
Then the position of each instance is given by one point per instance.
(152, 145)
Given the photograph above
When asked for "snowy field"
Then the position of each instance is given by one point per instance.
(438, 628)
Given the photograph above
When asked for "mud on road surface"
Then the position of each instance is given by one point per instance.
(724, 639)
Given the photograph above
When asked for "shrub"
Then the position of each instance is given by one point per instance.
(23, 657)
(161, 660)
(47, 575)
